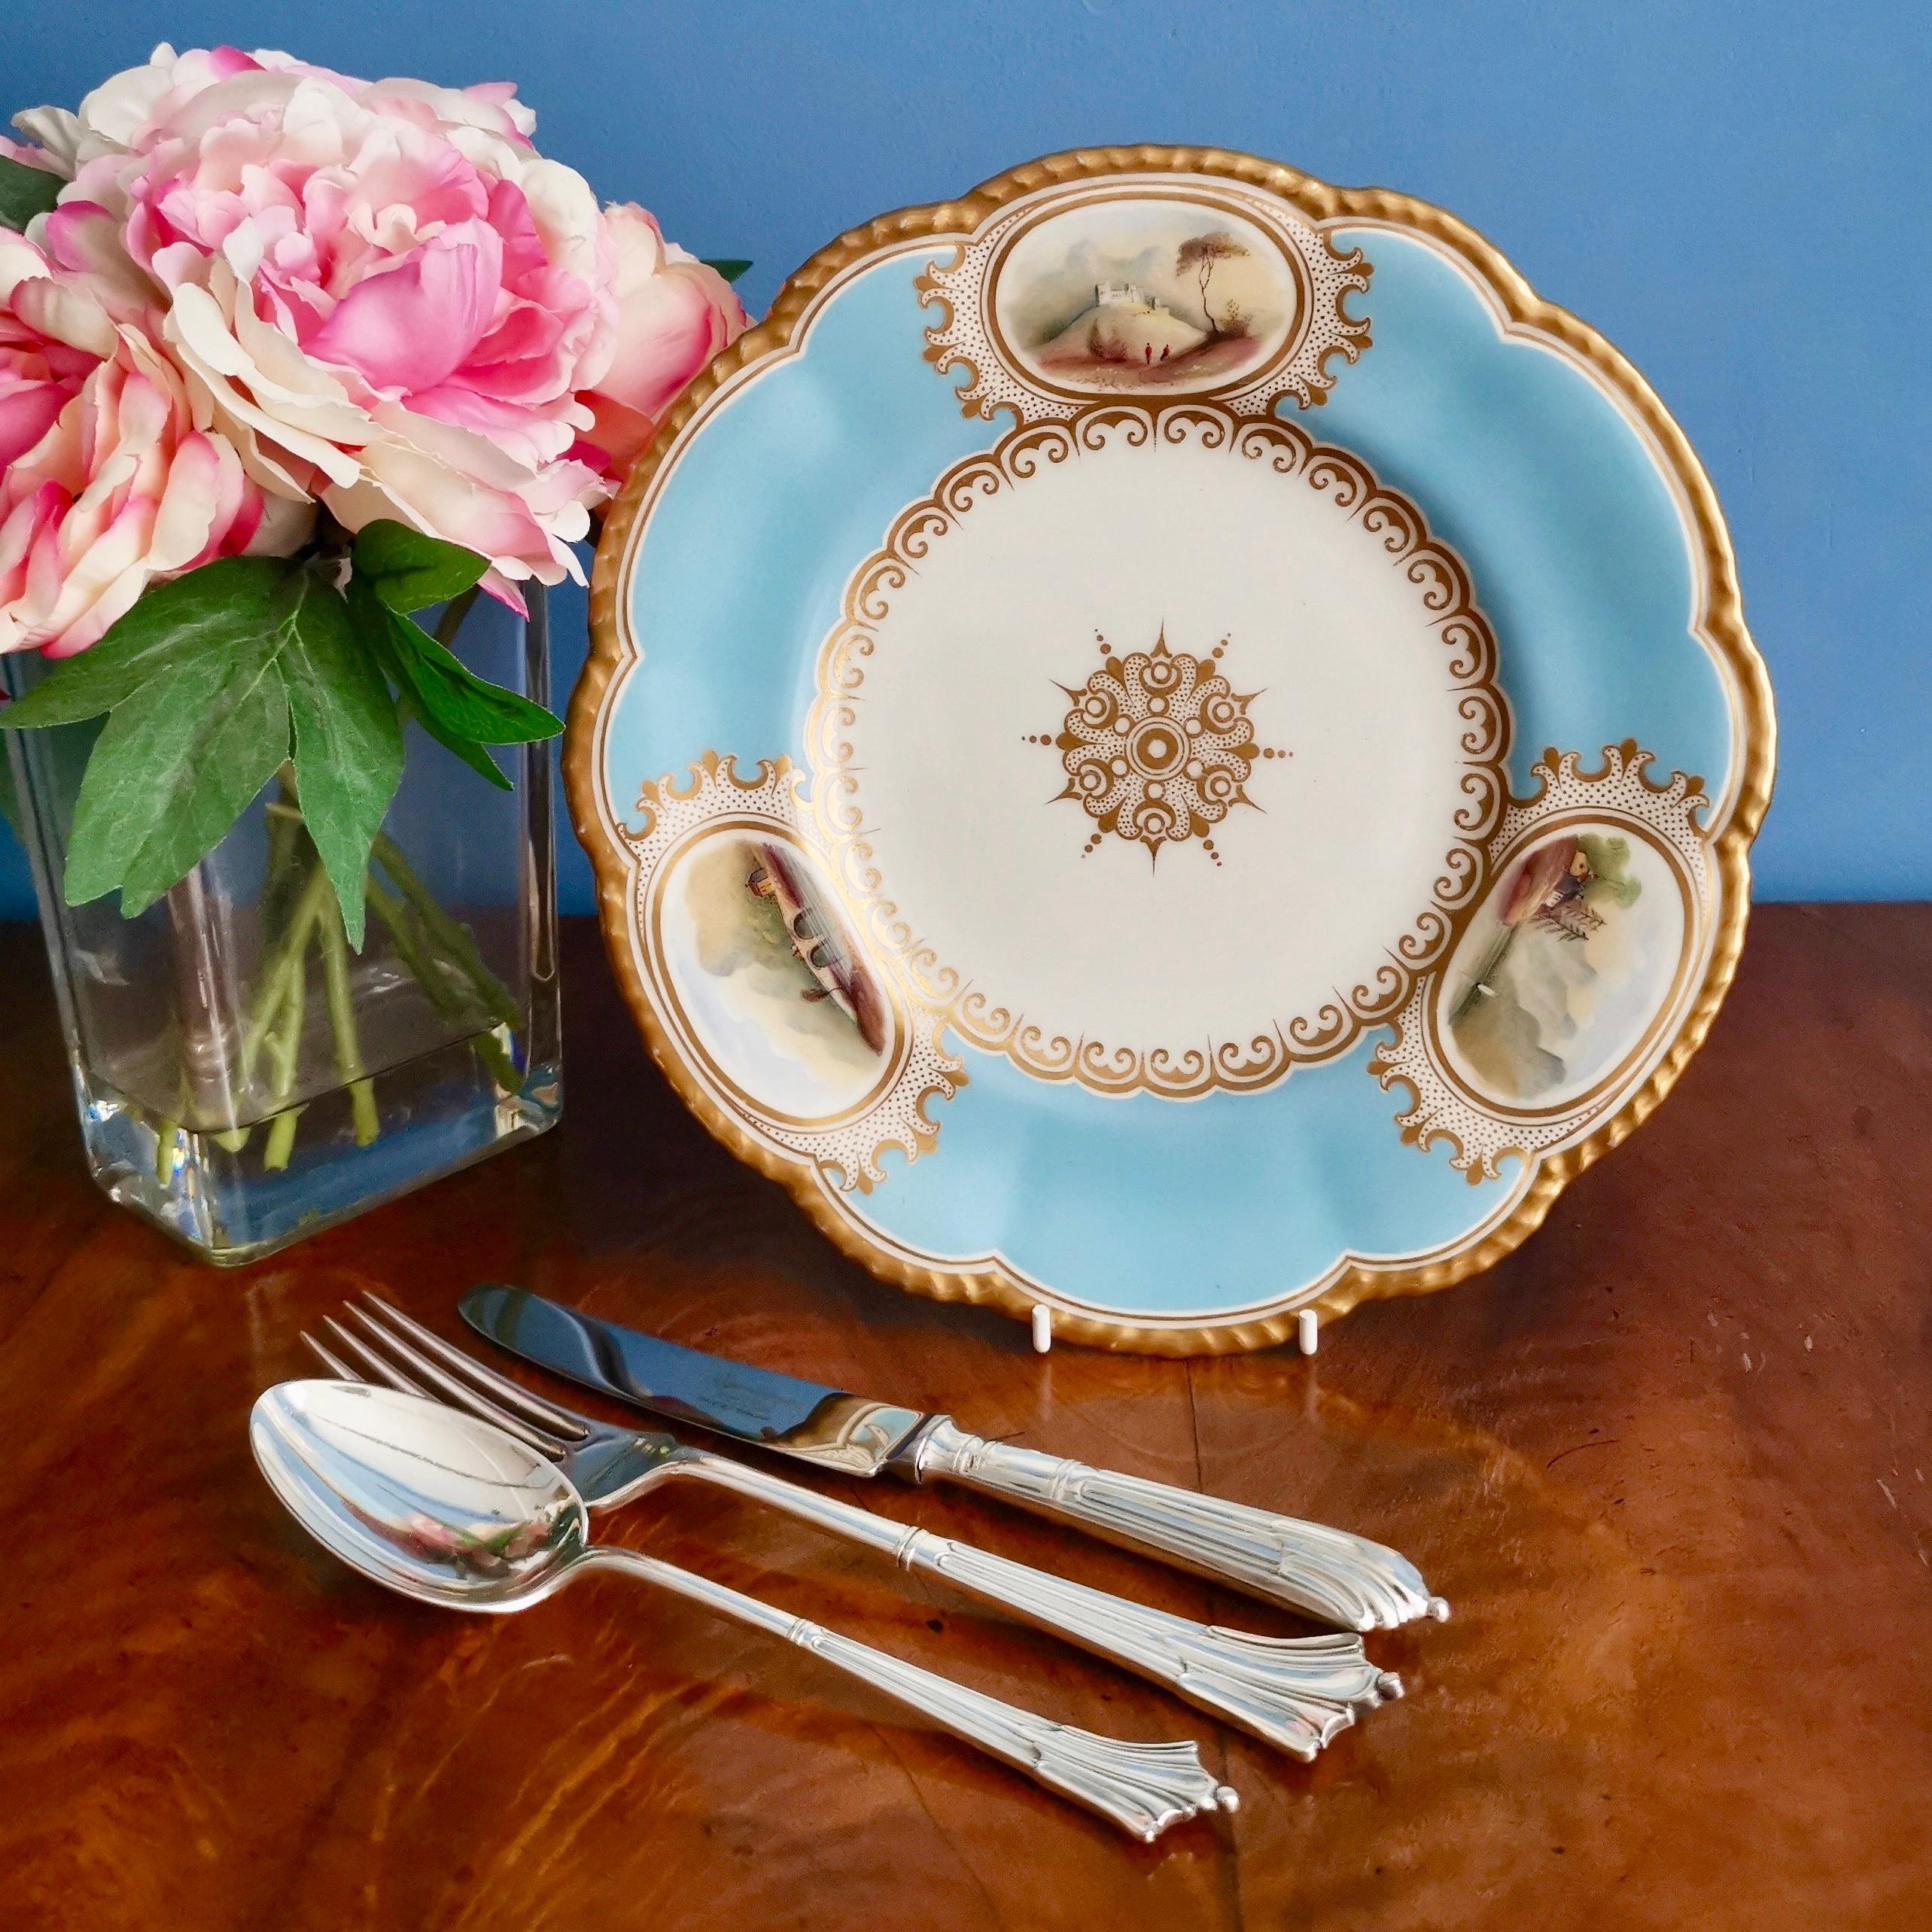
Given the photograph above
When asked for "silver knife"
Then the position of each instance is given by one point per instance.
(1329, 1574)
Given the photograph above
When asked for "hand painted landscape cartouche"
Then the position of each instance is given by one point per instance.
(760, 919)
(1552, 931)
(1144, 295)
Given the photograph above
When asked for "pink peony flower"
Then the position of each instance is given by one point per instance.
(106, 483)
(674, 315)
(31, 157)
(379, 293)
(376, 294)
(40, 374)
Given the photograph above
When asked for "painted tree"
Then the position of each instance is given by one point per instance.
(1198, 256)
(1557, 887)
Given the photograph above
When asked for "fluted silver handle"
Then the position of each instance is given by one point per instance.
(1141, 1787)
(1330, 1573)
(1296, 1693)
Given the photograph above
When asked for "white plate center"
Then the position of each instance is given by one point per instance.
(1171, 750)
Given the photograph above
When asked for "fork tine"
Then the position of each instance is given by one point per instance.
(453, 1390)
(340, 1369)
(383, 1370)
(387, 1371)
(544, 1415)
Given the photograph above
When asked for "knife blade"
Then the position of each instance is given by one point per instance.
(826, 1426)
(1332, 1574)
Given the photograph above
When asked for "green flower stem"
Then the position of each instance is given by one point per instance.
(451, 938)
(497, 1062)
(165, 1131)
(438, 950)
(284, 829)
(283, 964)
(284, 1048)
(281, 1140)
(454, 612)
(341, 1022)
(449, 1001)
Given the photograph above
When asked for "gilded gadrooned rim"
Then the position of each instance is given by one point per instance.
(1720, 620)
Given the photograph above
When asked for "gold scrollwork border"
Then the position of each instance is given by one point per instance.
(1719, 618)
(1442, 586)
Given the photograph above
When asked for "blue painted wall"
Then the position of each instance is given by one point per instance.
(1737, 194)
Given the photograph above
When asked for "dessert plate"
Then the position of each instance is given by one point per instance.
(1166, 744)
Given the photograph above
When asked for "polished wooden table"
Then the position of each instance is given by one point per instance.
(1670, 1463)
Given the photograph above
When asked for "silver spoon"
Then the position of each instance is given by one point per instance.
(450, 1510)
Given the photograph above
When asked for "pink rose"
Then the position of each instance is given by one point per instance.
(379, 292)
(106, 484)
(674, 315)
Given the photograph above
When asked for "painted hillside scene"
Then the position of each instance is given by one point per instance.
(1553, 977)
(1144, 294)
(770, 948)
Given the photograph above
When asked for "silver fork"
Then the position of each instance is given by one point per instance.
(1296, 1693)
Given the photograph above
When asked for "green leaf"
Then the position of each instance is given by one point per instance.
(211, 609)
(375, 624)
(206, 681)
(472, 753)
(409, 571)
(349, 743)
(449, 690)
(178, 763)
(26, 192)
(730, 269)
(458, 708)
(198, 722)
(388, 637)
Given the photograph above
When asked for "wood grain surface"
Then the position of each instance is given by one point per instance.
(1670, 1463)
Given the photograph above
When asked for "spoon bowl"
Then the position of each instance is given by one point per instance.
(433, 1503)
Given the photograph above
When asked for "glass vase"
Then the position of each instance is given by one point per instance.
(242, 1077)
